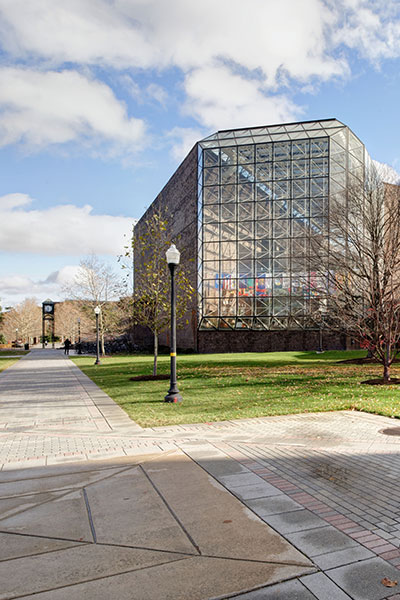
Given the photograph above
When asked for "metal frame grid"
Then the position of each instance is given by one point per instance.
(262, 193)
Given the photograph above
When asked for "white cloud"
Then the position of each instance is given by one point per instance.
(60, 230)
(59, 107)
(184, 139)
(387, 173)
(238, 61)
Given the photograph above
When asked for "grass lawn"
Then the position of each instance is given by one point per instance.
(217, 387)
(7, 362)
(12, 352)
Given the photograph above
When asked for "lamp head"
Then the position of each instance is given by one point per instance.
(97, 310)
(173, 255)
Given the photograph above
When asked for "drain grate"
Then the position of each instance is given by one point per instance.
(391, 431)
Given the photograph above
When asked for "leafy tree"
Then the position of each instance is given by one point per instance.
(26, 317)
(359, 267)
(151, 297)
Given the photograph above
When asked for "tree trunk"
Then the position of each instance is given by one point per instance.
(155, 353)
(102, 351)
(386, 366)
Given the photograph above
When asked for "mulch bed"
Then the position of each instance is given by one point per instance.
(362, 361)
(149, 378)
(380, 381)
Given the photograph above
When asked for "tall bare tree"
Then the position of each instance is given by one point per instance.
(96, 284)
(359, 267)
(151, 297)
(26, 317)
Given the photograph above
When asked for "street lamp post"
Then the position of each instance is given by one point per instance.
(79, 336)
(97, 312)
(16, 336)
(173, 256)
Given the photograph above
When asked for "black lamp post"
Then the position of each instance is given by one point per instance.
(173, 256)
(97, 312)
(322, 312)
(79, 336)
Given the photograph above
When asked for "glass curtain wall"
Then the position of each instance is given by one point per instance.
(262, 193)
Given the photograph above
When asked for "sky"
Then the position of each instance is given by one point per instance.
(100, 100)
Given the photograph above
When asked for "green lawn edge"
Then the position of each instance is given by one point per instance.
(220, 387)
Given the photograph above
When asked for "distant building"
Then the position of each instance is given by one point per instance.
(244, 203)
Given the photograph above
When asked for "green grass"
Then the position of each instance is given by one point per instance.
(7, 362)
(216, 387)
(13, 352)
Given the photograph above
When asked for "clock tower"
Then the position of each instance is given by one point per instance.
(47, 315)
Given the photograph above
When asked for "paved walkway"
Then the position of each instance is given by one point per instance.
(91, 505)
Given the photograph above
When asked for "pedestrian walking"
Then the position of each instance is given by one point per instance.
(67, 345)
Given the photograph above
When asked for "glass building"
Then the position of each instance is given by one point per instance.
(262, 193)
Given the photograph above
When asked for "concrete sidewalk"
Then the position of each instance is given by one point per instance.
(91, 505)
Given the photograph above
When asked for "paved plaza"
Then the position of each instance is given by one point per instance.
(298, 507)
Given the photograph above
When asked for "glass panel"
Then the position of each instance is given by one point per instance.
(263, 267)
(263, 152)
(245, 268)
(281, 228)
(318, 207)
(228, 269)
(263, 307)
(245, 306)
(210, 288)
(300, 208)
(211, 213)
(211, 176)
(264, 172)
(281, 209)
(228, 193)
(228, 175)
(263, 248)
(246, 173)
(298, 306)
(245, 192)
(319, 167)
(228, 303)
(246, 230)
(210, 269)
(246, 286)
(211, 251)
(282, 170)
(319, 147)
(300, 149)
(263, 191)
(210, 233)
(246, 211)
(228, 231)
(281, 247)
(263, 229)
(319, 187)
(282, 190)
(300, 188)
(228, 212)
(211, 157)
(245, 249)
(228, 250)
(281, 306)
(299, 247)
(229, 156)
(300, 227)
(211, 195)
(264, 210)
(281, 150)
(210, 306)
(300, 169)
(280, 266)
(245, 154)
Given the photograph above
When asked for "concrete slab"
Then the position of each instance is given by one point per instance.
(290, 590)
(298, 520)
(324, 588)
(17, 546)
(74, 565)
(219, 524)
(63, 517)
(331, 560)
(362, 581)
(273, 505)
(197, 578)
(127, 510)
(315, 541)
(257, 490)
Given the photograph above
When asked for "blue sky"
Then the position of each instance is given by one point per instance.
(101, 99)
